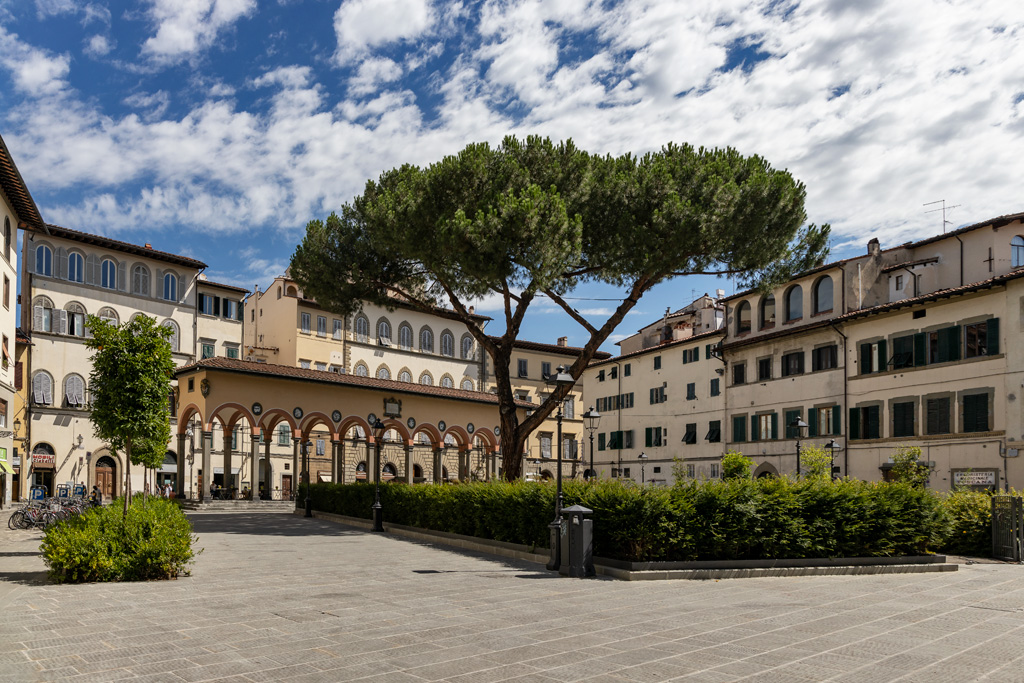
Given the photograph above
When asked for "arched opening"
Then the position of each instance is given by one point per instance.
(794, 303)
(44, 462)
(545, 475)
(361, 471)
(444, 473)
(388, 472)
(821, 295)
(768, 312)
(168, 472)
(743, 317)
(765, 470)
(417, 473)
(1017, 251)
(106, 477)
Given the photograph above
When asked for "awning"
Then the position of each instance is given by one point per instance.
(220, 470)
(4, 467)
(323, 477)
(169, 469)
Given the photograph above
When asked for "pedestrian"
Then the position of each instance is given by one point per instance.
(96, 497)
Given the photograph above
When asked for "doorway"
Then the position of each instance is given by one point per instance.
(105, 471)
(286, 487)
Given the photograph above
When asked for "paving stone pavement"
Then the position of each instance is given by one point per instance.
(278, 597)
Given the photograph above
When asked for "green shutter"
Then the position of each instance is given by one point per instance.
(775, 426)
(812, 422)
(707, 351)
(871, 428)
(883, 356)
(865, 359)
(216, 305)
(755, 428)
(837, 419)
(600, 441)
(739, 428)
(992, 336)
(854, 423)
(790, 415)
(647, 437)
(686, 356)
(954, 342)
(920, 349)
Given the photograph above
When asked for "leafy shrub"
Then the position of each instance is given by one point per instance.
(816, 462)
(153, 541)
(735, 465)
(694, 520)
(969, 530)
(906, 466)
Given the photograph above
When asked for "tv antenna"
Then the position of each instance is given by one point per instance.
(943, 209)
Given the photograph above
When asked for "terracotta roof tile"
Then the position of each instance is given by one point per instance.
(221, 285)
(16, 191)
(553, 348)
(126, 247)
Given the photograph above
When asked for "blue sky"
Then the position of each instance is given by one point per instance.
(218, 128)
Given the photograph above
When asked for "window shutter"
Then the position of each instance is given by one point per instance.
(920, 349)
(158, 284)
(647, 437)
(239, 311)
(30, 258)
(600, 441)
(62, 321)
(47, 390)
(37, 388)
(775, 426)
(92, 264)
(871, 427)
(854, 423)
(883, 356)
(707, 351)
(755, 428)
(216, 305)
(954, 342)
(122, 280)
(37, 318)
(865, 359)
(62, 263)
(812, 422)
(739, 428)
(837, 418)
(992, 336)
(18, 372)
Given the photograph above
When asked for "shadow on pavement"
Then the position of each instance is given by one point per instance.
(266, 524)
(25, 578)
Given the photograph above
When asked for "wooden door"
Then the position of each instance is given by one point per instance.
(105, 480)
(286, 486)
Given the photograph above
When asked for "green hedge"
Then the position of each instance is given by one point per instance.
(711, 520)
(970, 523)
(154, 541)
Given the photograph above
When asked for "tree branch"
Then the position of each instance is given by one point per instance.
(573, 313)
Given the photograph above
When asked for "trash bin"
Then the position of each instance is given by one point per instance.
(578, 539)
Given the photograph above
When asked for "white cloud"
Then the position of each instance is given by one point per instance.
(361, 25)
(35, 72)
(185, 27)
(153, 105)
(372, 74)
(98, 46)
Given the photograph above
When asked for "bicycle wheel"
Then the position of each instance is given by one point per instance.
(16, 519)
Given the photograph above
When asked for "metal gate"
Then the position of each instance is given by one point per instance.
(1007, 528)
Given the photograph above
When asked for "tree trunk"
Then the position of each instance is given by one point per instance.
(127, 477)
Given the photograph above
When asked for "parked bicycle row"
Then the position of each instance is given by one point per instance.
(39, 514)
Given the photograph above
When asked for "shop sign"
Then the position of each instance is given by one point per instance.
(44, 459)
(974, 478)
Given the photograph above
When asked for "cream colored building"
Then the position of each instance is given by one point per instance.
(17, 211)
(703, 315)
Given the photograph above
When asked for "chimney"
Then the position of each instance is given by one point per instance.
(563, 341)
(873, 247)
(148, 245)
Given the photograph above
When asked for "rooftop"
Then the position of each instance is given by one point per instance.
(17, 193)
(124, 247)
(702, 337)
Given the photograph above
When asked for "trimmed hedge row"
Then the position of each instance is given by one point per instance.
(710, 520)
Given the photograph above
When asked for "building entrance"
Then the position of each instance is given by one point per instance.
(105, 471)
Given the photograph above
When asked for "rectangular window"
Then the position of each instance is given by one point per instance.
(826, 420)
(899, 283)
(825, 358)
(305, 322)
(691, 470)
(626, 370)
(613, 372)
(690, 437)
(652, 437)
(937, 421)
(716, 387)
(739, 428)
(3, 413)
(691, 391)
(981, 339)
(600, 376)
(206, 304)
(766, 426)
(903, 352)
(569, 408)
(714, 470)
(601, 441)
(944, 345)
(657, 395)
(321, 447)
(793, 364)
(232, 351)
(230, 309)
(903, 419)
(284, 437)
(522, 367)
(322, 367)
(865, 422)
(714, 434)
(321, 326)
(7, 292)
(208, 351)
(739, 373)
(764, 369)
(657, 362)
(545, 370)
(234, 439)
(975, 418)
(545, 445)
(304, 364)
(339, 328)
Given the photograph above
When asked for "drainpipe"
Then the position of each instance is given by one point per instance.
(195, 315)
(961, 259)
(913, 278)
(846, 379)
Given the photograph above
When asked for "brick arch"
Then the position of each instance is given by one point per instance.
(273, 417)
(392, 423)
(436, 439)
(185, 415)
(487, 436)
(462, 437)
(239, 413)
(314, 419)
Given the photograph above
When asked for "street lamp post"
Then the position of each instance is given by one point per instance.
(378, 511)
(801, 431)
(832, 458)
(305, 466)
(643, 463)
(561, 379)
(590, 419)
(190, 433)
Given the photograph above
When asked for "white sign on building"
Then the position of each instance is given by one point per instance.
(974, 478)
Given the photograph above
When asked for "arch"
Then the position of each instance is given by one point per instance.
(426, 339)
(173, 339)
(447, 381)
(230, 419)
(396, 425)
(488, 437)
(314, 419)
(466, 346)
(75, 313)
(405, 336)
(794, 303)
(354, 421)
(140, 279)
(388, 472)
(383, 372)
(447, 343)
(185, 415)
(108, 273)
(361, 328)
(43, 448)
(76, 266)
(426, 379)
(821, 295)
(170, 286)
(765, 470)
(273, 417)
(767, 312)
(743, 317)
(431, 431)
(42, 314)
(545, 475)
(1017, 251)
(361, 370)
(109, 314)
(74, 391)
(104, 457)
(361, 470)
(405, 375)
(383, 329)
(292, 291)
(461, 436)
(44, 260)
(466, 384)
(417, 471)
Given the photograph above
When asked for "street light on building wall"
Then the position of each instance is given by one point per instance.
(591, 418)
(801, 431)
(560, 379)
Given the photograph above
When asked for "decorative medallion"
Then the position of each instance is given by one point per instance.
(497, 431)
(411, 422)
(441, 425)
(204, 387)
(336, 416)
(392, 407)
(297, 413)
(470, 428)
(257, 408)
(372, 419)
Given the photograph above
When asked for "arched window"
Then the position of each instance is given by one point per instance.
(794, 303)
(46, 449)
(108, 274)
(140, 280)
(7, 237)
(74, 391)
(821, 295)
(42, 388)
(383, 373)
(44, 260)
(362, 328)
(173, 338)
(467, 347)
(426, 340)
(384, 332)
(448, 344)
(108, 314)
(76, 267)
(42, 315)
(170, 287)
(768, 312)
(76, 320)
(362, 370)
(447, 382)
(467, 385)
(405, 336)
(743, 317)
(405, 376)
(426, 379)
(1017, 251)
(292, 291)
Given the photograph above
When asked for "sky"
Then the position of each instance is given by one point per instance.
(217, 129)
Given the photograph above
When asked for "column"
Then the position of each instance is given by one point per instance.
(268, 484)
(408, 464)
(463, 465)
(373, 456)
(204, 492)
(228, 479)
(437, 465)
(335, 464)
(179, 485)
(296, 476)
(254, 466)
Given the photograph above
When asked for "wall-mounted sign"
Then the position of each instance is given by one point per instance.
(974, 478)
(336, 416)
(204, 387)
(44, 459)
(257, 408)
(392, 407)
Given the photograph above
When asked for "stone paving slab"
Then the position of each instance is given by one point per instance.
(277, 597)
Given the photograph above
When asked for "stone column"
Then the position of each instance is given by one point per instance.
(179, 486)
(337, 476)
(204, 491)
(408, 464)
(437, 465)
(228, 479)
(463, 465)
(296, 475)
(254, 466)
(268, 485)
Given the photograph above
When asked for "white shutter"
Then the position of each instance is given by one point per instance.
(30, 257)
(158, 286)
(62, 263)
(62, 321)
(37, 388)
(47, 390)
(37, 318)
(122, 281)
(92, 270)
